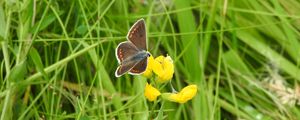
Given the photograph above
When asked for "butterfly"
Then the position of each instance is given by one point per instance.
(132, 54)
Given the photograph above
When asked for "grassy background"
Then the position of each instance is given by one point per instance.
(58, 61)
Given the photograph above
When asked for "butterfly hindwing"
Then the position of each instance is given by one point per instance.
(140, 67)
(123, 68)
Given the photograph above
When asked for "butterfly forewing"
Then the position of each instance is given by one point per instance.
(137, 35)
(125, 50)
(140, 67)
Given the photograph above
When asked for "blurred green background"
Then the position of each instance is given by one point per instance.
(58, 59)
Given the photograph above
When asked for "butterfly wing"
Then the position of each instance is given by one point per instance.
(137, 35)
(125, 50)
(123, 68)
(140, 67)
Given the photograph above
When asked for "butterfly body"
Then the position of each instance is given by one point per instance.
(132, 55)
(136, 58)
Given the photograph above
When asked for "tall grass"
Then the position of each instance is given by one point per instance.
(58, 58)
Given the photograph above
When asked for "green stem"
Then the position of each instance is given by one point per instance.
(7, 66)
(6, 102)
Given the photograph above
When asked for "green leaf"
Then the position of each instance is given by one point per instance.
(35, 57)
(18, 72)
(234, 61)
(82, 29)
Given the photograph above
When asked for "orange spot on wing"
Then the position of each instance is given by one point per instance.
(121, 54)
(135, 71)
(132, 32)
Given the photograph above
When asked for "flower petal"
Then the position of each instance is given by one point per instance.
(168, 70)
(151, 93)
(183, 96)
(157, 66)
(148, 72)
(163, 67)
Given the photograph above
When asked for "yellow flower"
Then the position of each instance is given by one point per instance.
(183, 96)
(151, 93)
(148, 72)
(163, 67)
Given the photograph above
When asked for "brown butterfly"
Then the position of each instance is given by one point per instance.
(132, 55)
